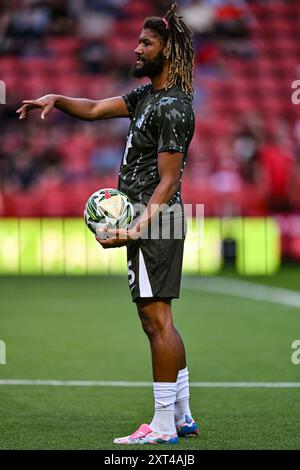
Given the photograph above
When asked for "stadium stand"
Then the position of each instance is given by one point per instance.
(244, 159)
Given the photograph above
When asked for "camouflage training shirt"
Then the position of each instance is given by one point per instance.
(161, 121)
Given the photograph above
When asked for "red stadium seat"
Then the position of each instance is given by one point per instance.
(63, 46)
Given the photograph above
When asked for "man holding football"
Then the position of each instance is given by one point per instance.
(162, 126)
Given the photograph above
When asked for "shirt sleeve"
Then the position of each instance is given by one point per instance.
(132, 98)
(174, 126)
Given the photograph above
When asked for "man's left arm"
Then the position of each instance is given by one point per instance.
(169, 169)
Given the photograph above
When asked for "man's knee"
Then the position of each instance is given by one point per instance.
(156, 318)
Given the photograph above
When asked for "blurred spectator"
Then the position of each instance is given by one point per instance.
(94, 55)
(278, 165)
(232, 19)
(226, 181)
(30, 20)
(246, 145)
(62, 21)
(199, 16)
(232, 28)
(21, 169)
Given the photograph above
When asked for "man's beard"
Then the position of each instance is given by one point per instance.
(151, 68)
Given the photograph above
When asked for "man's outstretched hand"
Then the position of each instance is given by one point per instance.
(46, 102)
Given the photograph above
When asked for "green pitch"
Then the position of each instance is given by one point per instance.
(87, 329)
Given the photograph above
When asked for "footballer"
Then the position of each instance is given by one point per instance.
(161, 128)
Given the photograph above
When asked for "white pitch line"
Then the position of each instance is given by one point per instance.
(244, 289)
(102, 383)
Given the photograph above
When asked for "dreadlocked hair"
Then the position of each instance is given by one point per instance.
(179, 48)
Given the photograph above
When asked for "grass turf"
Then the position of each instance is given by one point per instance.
(87, 328)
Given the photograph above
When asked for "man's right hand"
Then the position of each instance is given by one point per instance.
(46, 102)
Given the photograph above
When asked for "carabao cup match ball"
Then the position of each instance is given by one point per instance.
(108, 207)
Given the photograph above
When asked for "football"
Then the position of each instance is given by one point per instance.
(108, 207)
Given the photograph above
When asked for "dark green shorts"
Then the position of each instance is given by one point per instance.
(155, 265)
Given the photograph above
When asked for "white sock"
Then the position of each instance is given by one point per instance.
(164, 397)
(182, 403)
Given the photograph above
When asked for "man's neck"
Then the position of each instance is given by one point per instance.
(160, 80)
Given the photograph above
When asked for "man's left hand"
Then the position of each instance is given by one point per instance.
(115, 238)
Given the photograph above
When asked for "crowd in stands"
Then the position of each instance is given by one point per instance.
(245, 155)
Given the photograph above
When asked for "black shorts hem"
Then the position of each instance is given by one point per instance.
(162, 297)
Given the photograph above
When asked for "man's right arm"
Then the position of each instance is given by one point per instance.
(92, 110)
(81, 108)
